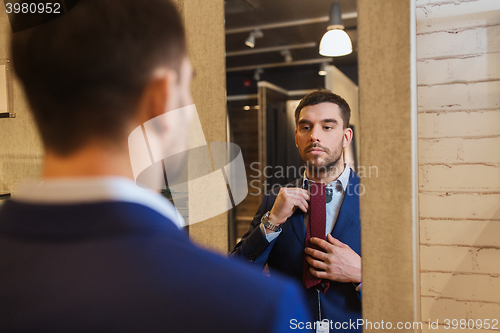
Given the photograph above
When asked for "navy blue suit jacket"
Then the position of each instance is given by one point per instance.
(123, 267)
(285, 254)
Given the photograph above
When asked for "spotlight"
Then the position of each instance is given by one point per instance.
(250, 41)
(256, 74)
(322, 69)
(287, 55)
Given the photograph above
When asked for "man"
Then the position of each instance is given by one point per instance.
(279, 234)
(86, 249)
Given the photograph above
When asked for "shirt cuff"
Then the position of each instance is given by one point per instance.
(269, 236)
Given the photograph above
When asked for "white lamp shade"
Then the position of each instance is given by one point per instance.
(335, 43)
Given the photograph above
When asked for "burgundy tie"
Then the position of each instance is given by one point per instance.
(315, 228)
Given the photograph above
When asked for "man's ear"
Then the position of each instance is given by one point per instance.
(347, 137)
(296, 142)
(156, 97)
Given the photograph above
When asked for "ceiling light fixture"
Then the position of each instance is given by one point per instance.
(256, 74)
(335, 41)
(250, 41)
(322, 69)
(287, 55)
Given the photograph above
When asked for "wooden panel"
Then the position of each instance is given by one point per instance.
(204, 24)
(386, 142)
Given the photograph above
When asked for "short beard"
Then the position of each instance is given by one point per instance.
(330, 166)
(320, 171)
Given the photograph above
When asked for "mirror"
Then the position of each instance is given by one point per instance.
(273, 61)
(265, 83)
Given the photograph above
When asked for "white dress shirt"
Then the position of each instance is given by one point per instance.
(338, 188)
(73, 191)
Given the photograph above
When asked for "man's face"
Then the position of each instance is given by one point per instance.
(179, 96)
(320, 136)
(179, 93)
(168, 99)
(184, 84)
(168, 133)
(175, 137)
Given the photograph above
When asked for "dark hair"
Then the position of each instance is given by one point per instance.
(84, 72)
(324, 96)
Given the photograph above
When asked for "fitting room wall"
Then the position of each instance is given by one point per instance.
(458, 50)
(21, 150)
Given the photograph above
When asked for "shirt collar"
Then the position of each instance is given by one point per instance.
(343, 178)
(95, 189)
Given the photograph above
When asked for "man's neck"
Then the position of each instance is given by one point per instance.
(327, 176)
(91, 161)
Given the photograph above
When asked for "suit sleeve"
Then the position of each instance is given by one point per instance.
(293, 314)
(254, 246)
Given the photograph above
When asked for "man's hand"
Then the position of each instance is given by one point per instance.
(339, 263)
(286, 203)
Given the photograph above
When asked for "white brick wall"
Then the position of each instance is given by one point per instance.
(459, 97)
(459, 177)
(460, 150)
(474, 68)
(464, 287)
(459, 124)
(480, 233)
(446, 308)
(458, 53)
(460, 259)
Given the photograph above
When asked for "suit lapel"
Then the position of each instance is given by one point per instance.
(297, 220)
(349, 207)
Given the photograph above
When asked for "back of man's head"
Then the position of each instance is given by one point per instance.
(84, 72)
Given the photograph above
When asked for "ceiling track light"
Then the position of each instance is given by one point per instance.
(322, 69)
(287, 55)
(335, 41)
(256, 74)
(250, 41)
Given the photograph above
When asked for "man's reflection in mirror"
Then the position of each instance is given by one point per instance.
(310, 229)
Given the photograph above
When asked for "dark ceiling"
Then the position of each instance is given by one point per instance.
(252, 13)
